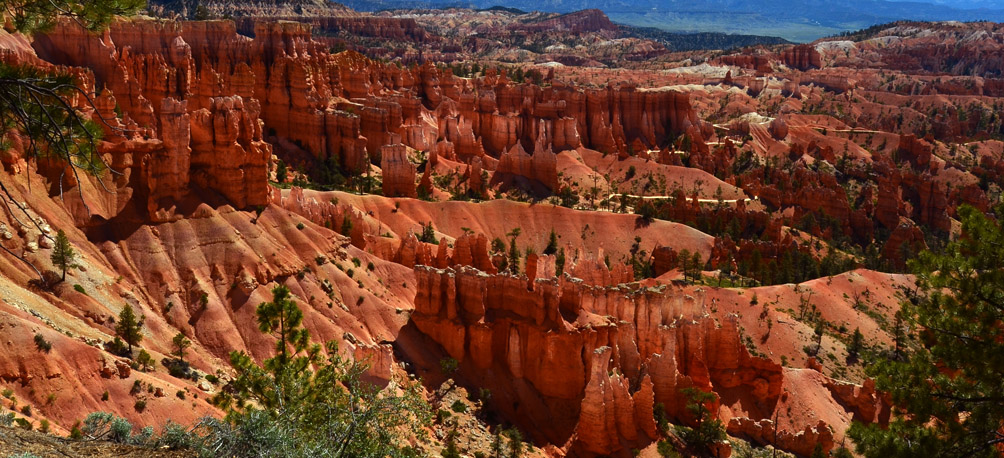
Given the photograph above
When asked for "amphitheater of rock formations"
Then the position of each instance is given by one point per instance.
(708, 210)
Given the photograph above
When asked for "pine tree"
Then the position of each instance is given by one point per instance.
(451, 450)
(281, 172)
(857, 340)
(684, 262)
(708, 429)
(514, 251)
(819, 331)
(282, 318)
(552, 244)
(129, 327)
(498, 449)
(28, 16)
(35, 102)
(948, 390)
(145, 360)
(428, 234)
(346, 228)
(515, 443)
(308, 398)
(559, 262)
(63, 253)
(695, 262)
(180, 345)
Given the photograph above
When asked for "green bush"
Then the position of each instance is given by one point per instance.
(79, 289)
(666, 449)
(177, 368)
(107, 426)
(459, 406)
(75, 432)
(448, 366)
(42, 344)
(175, 437)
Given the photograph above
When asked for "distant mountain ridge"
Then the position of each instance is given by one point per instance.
(791, 19)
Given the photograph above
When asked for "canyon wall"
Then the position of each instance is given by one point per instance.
(212, 104)
(598, 359)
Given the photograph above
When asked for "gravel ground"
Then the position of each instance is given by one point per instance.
(15, 441)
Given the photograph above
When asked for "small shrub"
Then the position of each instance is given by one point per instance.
(79, 289)
(42, 344)
(350, 273)
(661, 419)
(117, 347)
(103, 425)
(370, 266)
(143, 438)
(666, 450)
(176, 367)
(26, 410)
(448, 366)
(75, 432)
(140, 405)
(145, 360)
(842, 453)
(300, 226)
(180, 394)
(212, 379)
(175, 437)
(428, 234)
(7, 393)
(459, 406)
(43, 426)
(137, 387)
(360, 300)
(23, 424)
(6, 419)
(356, 262)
